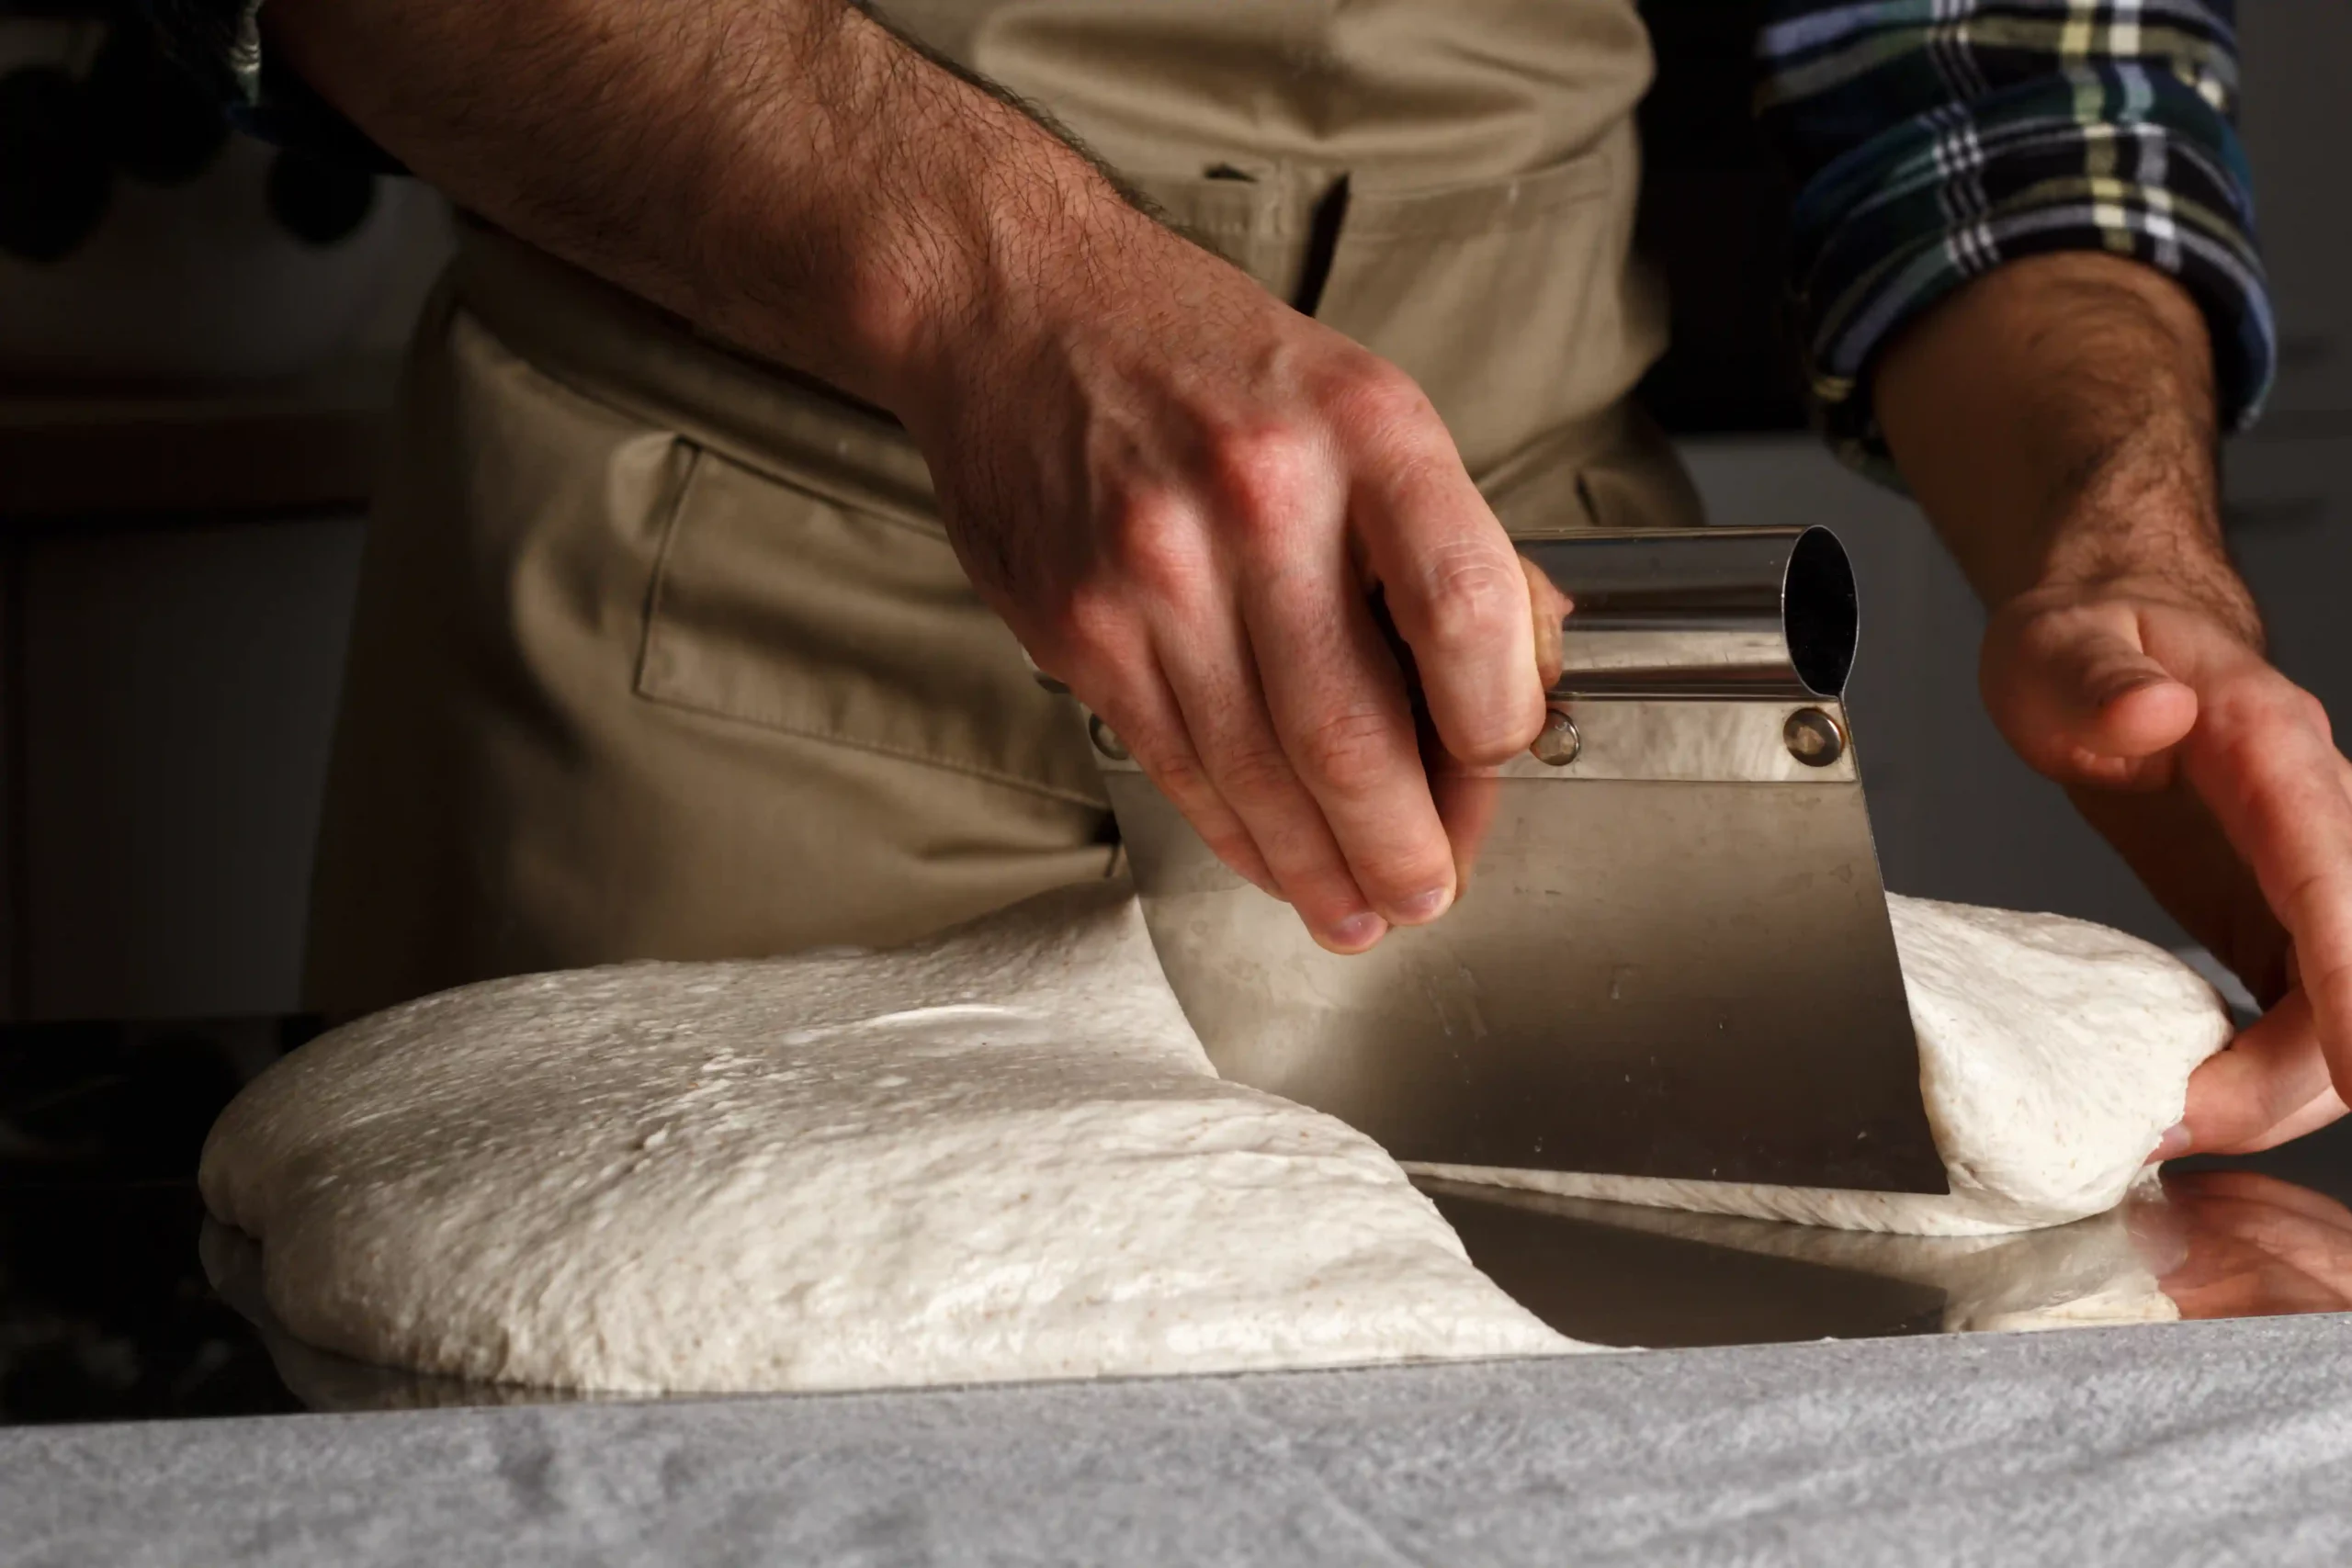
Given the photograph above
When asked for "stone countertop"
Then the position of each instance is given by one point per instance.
(2201, 1443)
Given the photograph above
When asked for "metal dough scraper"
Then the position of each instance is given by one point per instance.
(1672, 956)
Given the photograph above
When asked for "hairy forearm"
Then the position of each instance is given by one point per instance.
(2056, 420)
(785, 174)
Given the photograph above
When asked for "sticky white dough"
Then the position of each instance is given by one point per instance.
(1001, 1155)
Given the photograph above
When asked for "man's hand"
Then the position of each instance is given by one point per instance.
(2056, 420)
(2217, 779)
(1181, 493)
(1178, 492)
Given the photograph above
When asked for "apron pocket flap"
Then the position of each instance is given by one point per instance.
(777, 606)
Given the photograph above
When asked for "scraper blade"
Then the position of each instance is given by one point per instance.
(1673, 956)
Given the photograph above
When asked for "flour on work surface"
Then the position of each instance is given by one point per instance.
(2052, 1054)
(1001, 1155)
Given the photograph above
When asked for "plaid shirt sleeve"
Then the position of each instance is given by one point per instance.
(1934, 140)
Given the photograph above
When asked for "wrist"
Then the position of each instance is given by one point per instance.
(2055, 418)
(2144, 513)
(1035, 267)
(934, 200)
(953, 294)
(964, 213)
(2146, 558)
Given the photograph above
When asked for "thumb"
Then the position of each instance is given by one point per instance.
(2270, 1084)
(2079, 696)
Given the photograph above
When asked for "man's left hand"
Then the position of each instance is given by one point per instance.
(2056, 417)
(2219, 782)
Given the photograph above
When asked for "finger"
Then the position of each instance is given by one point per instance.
(2263, 762)
(2169, 836)
(2239, 1100)
(1340, 710)
(1459, 599)
(1149, 724)
(2080, 698)
(1207, 660)
(1466, 798)
(1547, 610)
(1466, 794)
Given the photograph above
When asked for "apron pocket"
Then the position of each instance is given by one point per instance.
(776, 605)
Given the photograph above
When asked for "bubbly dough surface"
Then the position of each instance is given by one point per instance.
(2052, 1054)
(1001, 1155)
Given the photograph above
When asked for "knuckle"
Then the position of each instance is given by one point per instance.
(2239, 757)
(2312, 713)
(1352, 751)
(1381, 402)
(1269, 473)
(1158, 550)
(1088, 621)
(1492, 745)
(1256, 772)
(1172, 767)
(1238, 851)
(2231, 718)
(2247, 714)
(1401, 875)
(1471, 595)
(1093, 640)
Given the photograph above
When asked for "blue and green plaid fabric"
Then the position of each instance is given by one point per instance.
(1935, 139)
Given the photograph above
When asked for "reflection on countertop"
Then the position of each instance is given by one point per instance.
(118, 1301)
(105, 1312)
(2197, 1244)
(321, 1379)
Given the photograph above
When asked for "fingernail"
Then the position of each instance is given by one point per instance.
(1423, 906)
(2119, 689)
(2173, 1144)
(1356, 932)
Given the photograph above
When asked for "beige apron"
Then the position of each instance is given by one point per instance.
(664, 654)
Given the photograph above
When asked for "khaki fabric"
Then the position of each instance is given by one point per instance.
(664, 653)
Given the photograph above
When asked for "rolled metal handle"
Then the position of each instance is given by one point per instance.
(1753, 614)
(1762, 613)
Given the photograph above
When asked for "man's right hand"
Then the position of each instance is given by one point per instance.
(1182, 494)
